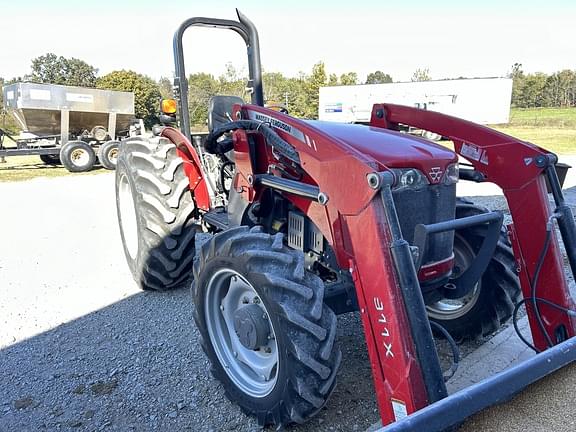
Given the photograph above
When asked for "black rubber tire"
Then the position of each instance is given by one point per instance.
(69, 156)
(99, 133)
(164, 213)
(305, 327)
(50, 159)
(108, 154)
(500, 286)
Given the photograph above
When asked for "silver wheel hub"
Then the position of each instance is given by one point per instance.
(449, 309)
(79, 157)
(241, 333)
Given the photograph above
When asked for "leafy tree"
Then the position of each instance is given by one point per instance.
(560, 90)
(349, 78)
(316, 80)
(7, 121)
(333, 80)
(378, 77)
(421, 75)
(529, 91)
(201, 87)
(52, 69)
(165, 87)
(277, 89)
(146, 92)
(517, 75)
(232, 83)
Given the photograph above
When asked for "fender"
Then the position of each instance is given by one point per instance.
(192, 166)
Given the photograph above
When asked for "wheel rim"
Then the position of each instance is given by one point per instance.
(128, 221)
(79, 157)
(449, 309)
(113, 155)
(255, 372)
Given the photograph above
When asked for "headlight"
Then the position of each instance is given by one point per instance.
(452, 174)
(409, 178)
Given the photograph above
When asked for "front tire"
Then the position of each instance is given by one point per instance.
(287, 375)
(156, 213)
(491, 302)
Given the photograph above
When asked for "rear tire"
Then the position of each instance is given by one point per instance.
(108, 154)
(492, 302)
(156, 213)
(50, 159)
(303, 328)
(77, 156)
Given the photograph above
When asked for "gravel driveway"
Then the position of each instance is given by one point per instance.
(82, 349)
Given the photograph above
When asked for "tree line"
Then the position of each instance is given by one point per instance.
(542, 90)
(298, 94)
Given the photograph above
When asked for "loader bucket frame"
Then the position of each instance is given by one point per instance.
(521, 169)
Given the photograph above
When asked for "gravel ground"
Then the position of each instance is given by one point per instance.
(82, 349)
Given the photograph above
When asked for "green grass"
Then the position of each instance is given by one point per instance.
(546, 117)
(18, 168)
(551, 128)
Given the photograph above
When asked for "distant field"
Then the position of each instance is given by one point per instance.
(547, 117)
(551, 128)
(17, 168)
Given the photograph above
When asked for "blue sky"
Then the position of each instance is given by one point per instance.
(451, 38)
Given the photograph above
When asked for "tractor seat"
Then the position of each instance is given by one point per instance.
(220, 110)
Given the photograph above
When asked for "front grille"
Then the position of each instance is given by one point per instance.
(426, 206)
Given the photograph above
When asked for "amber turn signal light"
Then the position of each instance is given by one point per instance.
(168, 106)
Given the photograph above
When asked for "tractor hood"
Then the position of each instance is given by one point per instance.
(391, 149)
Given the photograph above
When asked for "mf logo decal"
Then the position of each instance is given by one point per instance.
(435, 174)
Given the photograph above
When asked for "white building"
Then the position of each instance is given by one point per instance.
(481, 100)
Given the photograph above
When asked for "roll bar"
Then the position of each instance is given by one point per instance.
(247, 30)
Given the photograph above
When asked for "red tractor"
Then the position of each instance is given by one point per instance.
(313, 219)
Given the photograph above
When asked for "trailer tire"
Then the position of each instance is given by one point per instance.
(156, 213)
(50, 159)
(108, 154)
(492, 302)
(99, 133)
(289, 370)
(77, 156)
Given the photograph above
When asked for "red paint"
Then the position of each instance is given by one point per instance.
(192, 166)
(337, 158)
(435, 270)
(509, 163)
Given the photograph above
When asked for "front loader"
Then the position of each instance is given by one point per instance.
(313, 219)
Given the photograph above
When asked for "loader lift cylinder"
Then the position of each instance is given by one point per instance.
(412, 296)
(565, 219)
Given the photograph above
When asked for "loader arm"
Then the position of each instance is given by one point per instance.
(519, 168)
